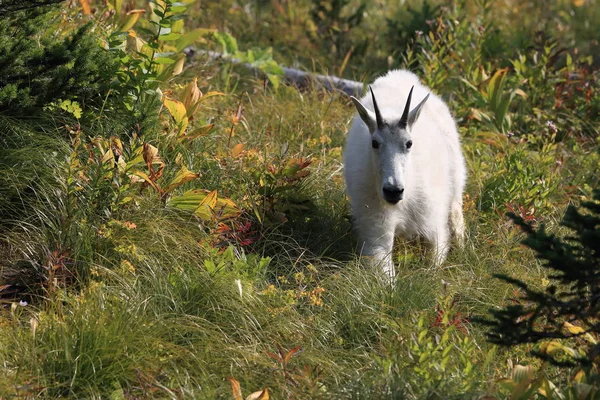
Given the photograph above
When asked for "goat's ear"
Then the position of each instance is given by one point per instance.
(366, 115)
(414, 114)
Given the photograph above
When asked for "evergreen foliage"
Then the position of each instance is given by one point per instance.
(37, 68)
(570, 305)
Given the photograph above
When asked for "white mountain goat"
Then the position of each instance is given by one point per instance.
(405, 172)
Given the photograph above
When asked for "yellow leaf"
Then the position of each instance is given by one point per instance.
(108, 156)
(131, 19)
(210, 200)
(260, 395)
(121, 165)
(554, 347)
(520, 92)
(196, 133)
(577, 330)
(117, 144)
(211, 94)
(579, 376)
(178, 112)
(134, 43)
(184, 175)
(178, 66)
(34, 324)
(191, 95)
(578, 3)
(237, 150)
(236, 390)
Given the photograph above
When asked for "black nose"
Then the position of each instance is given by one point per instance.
(392, 194)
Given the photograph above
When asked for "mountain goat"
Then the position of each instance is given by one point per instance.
(405, 172)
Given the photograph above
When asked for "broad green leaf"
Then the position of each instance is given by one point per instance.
(206, 205)
(164, 61)
(165, 54)
(169, 37)
(116, 5)
(227, 42)
(191, 37)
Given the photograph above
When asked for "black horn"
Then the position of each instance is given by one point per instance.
(377, 113)
(404, 119)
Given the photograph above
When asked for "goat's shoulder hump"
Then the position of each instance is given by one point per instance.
(398, 77)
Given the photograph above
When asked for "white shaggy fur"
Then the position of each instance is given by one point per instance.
(432, 171)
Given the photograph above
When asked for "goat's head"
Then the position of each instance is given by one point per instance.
(390, 145)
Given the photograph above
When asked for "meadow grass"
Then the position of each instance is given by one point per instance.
(115, 293)
(153, 322)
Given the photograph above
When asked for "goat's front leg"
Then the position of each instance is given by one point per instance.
(377, 242)
(439, 243)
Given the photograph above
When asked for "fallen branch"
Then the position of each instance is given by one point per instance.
(293, 76)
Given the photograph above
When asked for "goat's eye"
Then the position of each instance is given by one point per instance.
(375, 144)
(409, 144)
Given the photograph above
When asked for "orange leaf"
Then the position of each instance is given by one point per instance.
(237, 150)
(129, 225)
(274, 356)
(85, 5)
(236, 389)
(291, 353)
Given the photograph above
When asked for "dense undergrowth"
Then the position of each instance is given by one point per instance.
(178, 228)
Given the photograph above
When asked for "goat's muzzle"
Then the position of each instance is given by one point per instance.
(393, 194)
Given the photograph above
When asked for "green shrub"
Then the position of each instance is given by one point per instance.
(37, 67)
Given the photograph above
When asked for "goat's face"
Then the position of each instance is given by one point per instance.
(390, 149)
(390, 145)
